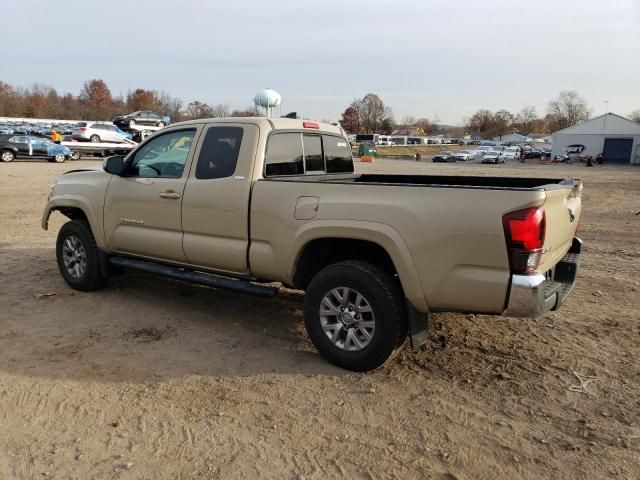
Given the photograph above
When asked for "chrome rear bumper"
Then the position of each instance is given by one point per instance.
(533, 295)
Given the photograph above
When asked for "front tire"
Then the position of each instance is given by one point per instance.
(75, 155)
(77, 255)
(59, 158)
(161, 124)
(354, 314)
(7, 156)
(132, 123)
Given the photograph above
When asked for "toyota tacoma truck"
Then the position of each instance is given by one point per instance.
(241, 203)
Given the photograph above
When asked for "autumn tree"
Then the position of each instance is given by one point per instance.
(502, 123)
(95, 98)
(568, 109)
(373, 113)
(350, 120)
(141, 99)
(481, 122)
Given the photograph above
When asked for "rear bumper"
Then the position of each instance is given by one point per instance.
(533, 295)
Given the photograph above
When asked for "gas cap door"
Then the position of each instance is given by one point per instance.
(306, 208)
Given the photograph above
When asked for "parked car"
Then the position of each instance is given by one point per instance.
(481, 151)
(141, 118)
(533, 153)
(25, 146)
(510, 153)
(362, 247)
(6, 130)
(99, 132)
(493, 156)
(444, 157)
(465, 155)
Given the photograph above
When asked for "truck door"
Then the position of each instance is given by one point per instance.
(142, 214)
(215, 208)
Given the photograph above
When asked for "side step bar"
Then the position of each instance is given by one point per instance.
(191, 276)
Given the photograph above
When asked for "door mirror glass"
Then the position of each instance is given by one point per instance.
(114, 165)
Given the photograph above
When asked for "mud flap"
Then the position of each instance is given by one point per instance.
(418, 326)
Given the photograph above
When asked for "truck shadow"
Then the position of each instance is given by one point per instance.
(142, 327)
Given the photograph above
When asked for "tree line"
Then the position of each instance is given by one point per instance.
(96, 102)
(370, 115)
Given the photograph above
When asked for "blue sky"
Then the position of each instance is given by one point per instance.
(424, 58)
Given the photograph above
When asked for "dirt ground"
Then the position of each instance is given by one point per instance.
(154, 379)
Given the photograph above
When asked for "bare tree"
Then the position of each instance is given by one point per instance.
(407, 122)
(568, 109)
(373, 113)
(635, 115)
(220, 110)
(526, 118)
(426, 126)
(502, 123)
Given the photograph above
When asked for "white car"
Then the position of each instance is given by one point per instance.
(493, 156)
(465, 155)
(511, 153)
(99, 132)
(482, 150)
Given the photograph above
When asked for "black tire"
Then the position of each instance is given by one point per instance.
(7, 156)
(75, 155)
(59, 158)
(92, 278)
(132, 123)
(94, 139)
(161, 124)
(385, 297)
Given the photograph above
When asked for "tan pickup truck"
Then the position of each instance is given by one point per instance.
(236, 203)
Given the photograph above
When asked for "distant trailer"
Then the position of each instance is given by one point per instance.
(361, 137)
(102, 149)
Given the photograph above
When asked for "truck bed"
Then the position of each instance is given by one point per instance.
(442, 181)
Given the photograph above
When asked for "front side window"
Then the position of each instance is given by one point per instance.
(284, 155)
(219, 153)
(163, 156)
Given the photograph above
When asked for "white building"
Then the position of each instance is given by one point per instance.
(512, 138)
(616, 137)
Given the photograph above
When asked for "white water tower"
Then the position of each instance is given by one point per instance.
(267, 100)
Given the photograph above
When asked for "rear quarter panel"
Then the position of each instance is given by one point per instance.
(450, 238)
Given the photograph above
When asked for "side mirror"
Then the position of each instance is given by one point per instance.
(114, 165)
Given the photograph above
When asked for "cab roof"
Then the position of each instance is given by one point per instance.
(273, 123)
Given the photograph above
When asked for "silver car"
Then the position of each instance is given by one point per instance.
(98, 132)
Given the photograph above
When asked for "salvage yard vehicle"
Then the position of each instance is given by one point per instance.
(27, 146)
(238, 203)
(141, 118)
(493, 156)
(99, 132)
(465, 155)
(444, 157)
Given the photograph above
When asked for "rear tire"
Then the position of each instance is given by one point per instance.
(59, 158)
(7, 156)
(77, 255)
(132, 123)
(161, 124)
(75, 155)
(94, 139)
(373, 300)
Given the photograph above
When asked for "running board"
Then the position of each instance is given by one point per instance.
(191, 276)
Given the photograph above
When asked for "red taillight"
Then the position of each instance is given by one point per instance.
(82, 129)
(524, 231)
(310, 125)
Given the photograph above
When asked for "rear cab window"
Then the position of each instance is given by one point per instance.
(297, 153)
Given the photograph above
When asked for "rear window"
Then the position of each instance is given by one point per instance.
(297, 154)
(81, 124)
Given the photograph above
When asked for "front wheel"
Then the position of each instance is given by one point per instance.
(161, 124)
(7, 156)
(75, 155)
(59, 158)
(77, 256)
(132, 123)
(354, 315)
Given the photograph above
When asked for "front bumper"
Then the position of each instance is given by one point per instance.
(533, 295)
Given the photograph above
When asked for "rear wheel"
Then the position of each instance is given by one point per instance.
(94, 139)
(59, 158)
(132, 123)
(161, 124)
(7, 156)
(75, 155)
(77, 256)
(354, 315)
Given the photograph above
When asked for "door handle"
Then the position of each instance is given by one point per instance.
(170, 194)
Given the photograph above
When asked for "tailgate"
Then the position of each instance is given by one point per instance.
(562, 206)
